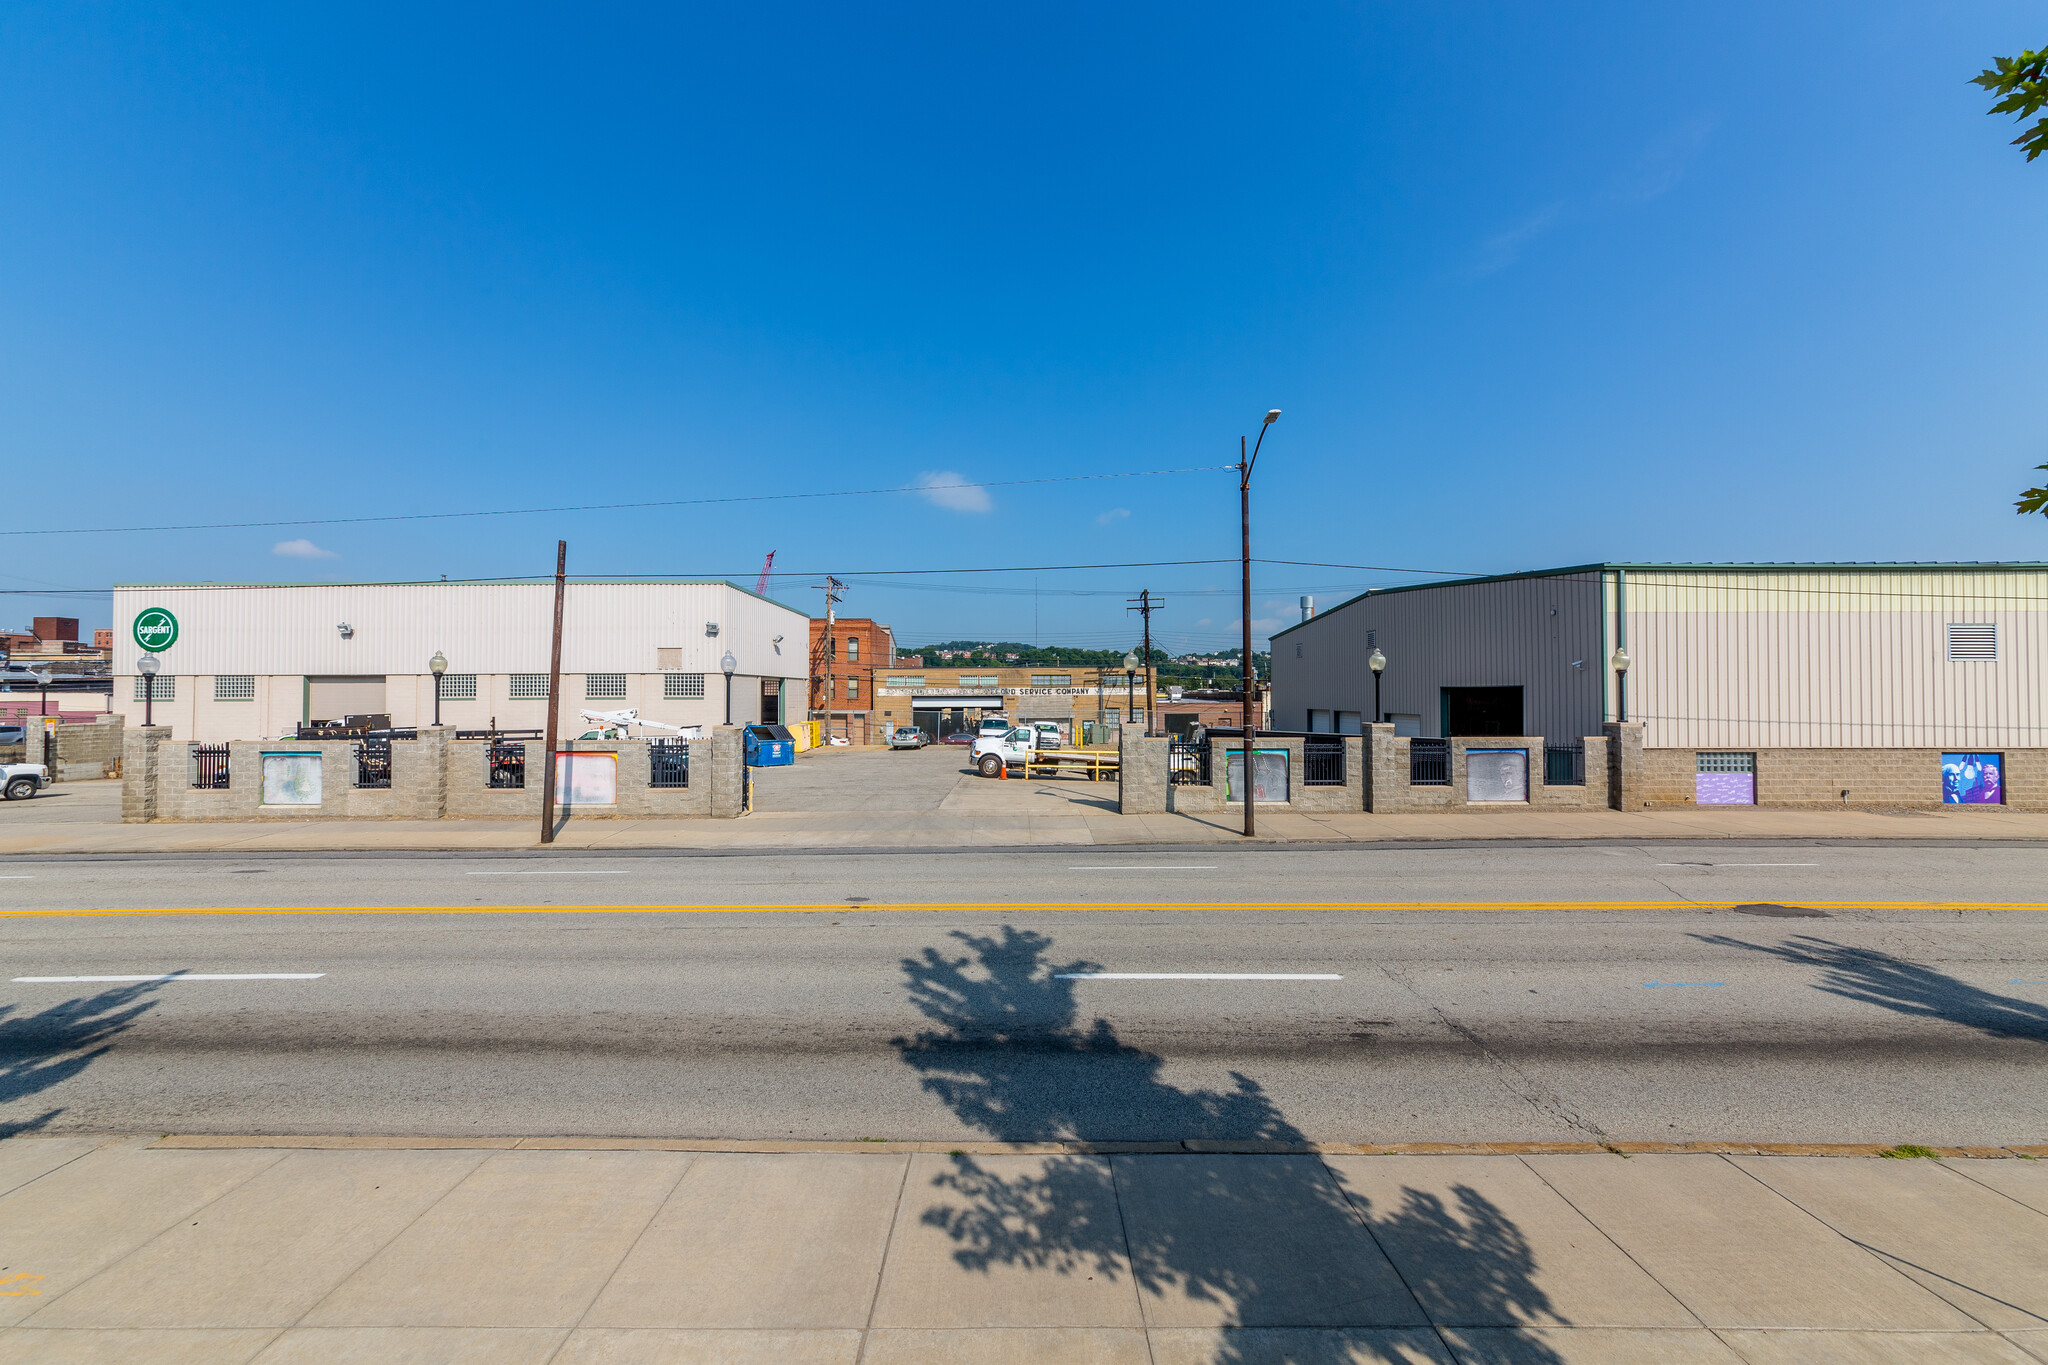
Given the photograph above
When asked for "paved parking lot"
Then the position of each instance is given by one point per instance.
(938, 778)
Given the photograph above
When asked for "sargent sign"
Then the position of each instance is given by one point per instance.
(156, 630)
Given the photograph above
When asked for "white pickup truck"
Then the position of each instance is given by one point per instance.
(992, 753)
(19, 781)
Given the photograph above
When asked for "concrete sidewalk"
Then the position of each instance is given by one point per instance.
(124, 1250)
(84, 817)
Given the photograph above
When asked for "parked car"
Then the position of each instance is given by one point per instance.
(13, 734)
(18, 781)
(908, 737)
(960, 737)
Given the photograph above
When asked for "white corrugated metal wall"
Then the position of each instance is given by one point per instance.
(1834, 658)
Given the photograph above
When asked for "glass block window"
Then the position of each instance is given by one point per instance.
(1052, 680)
(458, 687)
(529, 687)
(231, 687)
(910, 680)
(166, 687)
(1973, 642)
(985, 680)
(682, 686)
(1727, 763)
(604, 687)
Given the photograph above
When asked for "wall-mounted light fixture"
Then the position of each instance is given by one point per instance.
(348, 632)
(711, 627)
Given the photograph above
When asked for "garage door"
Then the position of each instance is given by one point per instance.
(332, 698)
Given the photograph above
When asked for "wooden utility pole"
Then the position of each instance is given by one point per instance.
(832, 588)
(1146, 605)
(547, 784)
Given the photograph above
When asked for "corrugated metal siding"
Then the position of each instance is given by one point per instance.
(1826, 660)
(481, 627)
(1498, 634)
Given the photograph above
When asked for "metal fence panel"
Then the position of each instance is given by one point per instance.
(1429, 763)
(1322, 763)
(1564, 763)
(373, 765)
(210, 766)
(668, 763)
(508, 765)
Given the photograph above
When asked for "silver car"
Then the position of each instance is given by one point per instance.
(909, 737)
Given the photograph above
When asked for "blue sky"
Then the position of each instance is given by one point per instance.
(1534, 285)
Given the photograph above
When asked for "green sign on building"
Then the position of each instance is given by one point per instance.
(156, 630)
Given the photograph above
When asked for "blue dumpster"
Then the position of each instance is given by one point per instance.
(770, 746)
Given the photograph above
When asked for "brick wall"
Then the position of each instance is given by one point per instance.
(1870, 777)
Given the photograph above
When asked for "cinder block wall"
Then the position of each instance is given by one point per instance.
(1872, 777)
(1301, 797)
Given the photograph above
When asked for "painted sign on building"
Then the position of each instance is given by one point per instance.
(1973, 779)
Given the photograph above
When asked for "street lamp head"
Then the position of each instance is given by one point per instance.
(1272, 416)
(1377, 662)
(438, 664)
(1131, 662)
(729, 665)
(1620, 660)
(148, 664)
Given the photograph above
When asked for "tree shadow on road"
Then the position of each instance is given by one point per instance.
(1210, 1239)
(1871, 977)
(50, 1046)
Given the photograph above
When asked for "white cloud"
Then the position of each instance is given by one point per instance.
(1203, 622)
(1504, 248)
(1113, 514)
(301, 549)
(951, 490)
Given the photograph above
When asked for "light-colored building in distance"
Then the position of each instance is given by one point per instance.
(255, 660)
(940, 701)
(1857, 684)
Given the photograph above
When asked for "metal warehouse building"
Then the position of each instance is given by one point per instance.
(254, 660)
(1861, 684)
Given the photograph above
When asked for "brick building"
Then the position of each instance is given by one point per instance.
(843, 663)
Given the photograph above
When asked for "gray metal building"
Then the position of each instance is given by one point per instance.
(1721, 656)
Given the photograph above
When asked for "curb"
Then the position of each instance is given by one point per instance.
(1191, 1146)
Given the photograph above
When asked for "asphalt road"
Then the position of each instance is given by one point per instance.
(1780, 992)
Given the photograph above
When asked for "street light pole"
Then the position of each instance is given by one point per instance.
(147, 665)
(1244, 497)
(437, 666)
(730, 665)
(1621, 663)
(1378, 664)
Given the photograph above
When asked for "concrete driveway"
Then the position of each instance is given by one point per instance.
(874, 781)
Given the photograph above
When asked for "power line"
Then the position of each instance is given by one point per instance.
(603, 506)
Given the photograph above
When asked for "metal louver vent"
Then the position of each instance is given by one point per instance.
(1972, 641)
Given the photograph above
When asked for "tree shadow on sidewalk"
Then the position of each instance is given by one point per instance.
(50, 1046)
(1210, 1239)
(1872, 977)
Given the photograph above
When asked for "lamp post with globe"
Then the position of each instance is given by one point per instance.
(147, 666)
(437, 666)
(730, 666)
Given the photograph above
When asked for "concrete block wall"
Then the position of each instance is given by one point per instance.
(1141, 773)
(87, 752)
(1885, 778)
(1301, 797)
(1390, 791)
(433, 777)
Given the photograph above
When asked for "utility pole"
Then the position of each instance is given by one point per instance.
(547, 783)
(832, 588)
(1146, 605)
(1245, 463)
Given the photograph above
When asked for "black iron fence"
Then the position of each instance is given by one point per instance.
(1322, 761)
(373, 765)
(210, 766)
(1564, 763)
(668, 763)
(1187, 762)
(1429, 763)
(508, 765)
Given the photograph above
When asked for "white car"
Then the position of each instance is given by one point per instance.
(19, 781)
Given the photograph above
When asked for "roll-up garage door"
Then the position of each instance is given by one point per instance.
(332, 698)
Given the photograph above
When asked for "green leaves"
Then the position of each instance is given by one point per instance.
(2022, 81)
(2034, 499)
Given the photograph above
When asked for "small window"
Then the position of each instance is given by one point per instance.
(458, 687)
(682, 686)
(912, 680)
(852, 688)
(166, 687)
(1052, 680)
(529, 687)
(234, 687)
(853, 649)
(604, 687)
(1973, 642)
(831, 688)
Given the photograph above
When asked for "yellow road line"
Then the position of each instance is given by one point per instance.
(991, 908)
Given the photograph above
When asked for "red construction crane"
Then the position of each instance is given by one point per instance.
(761, 584)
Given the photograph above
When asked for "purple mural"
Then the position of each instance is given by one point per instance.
(1725, 789)
(1973, 779)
